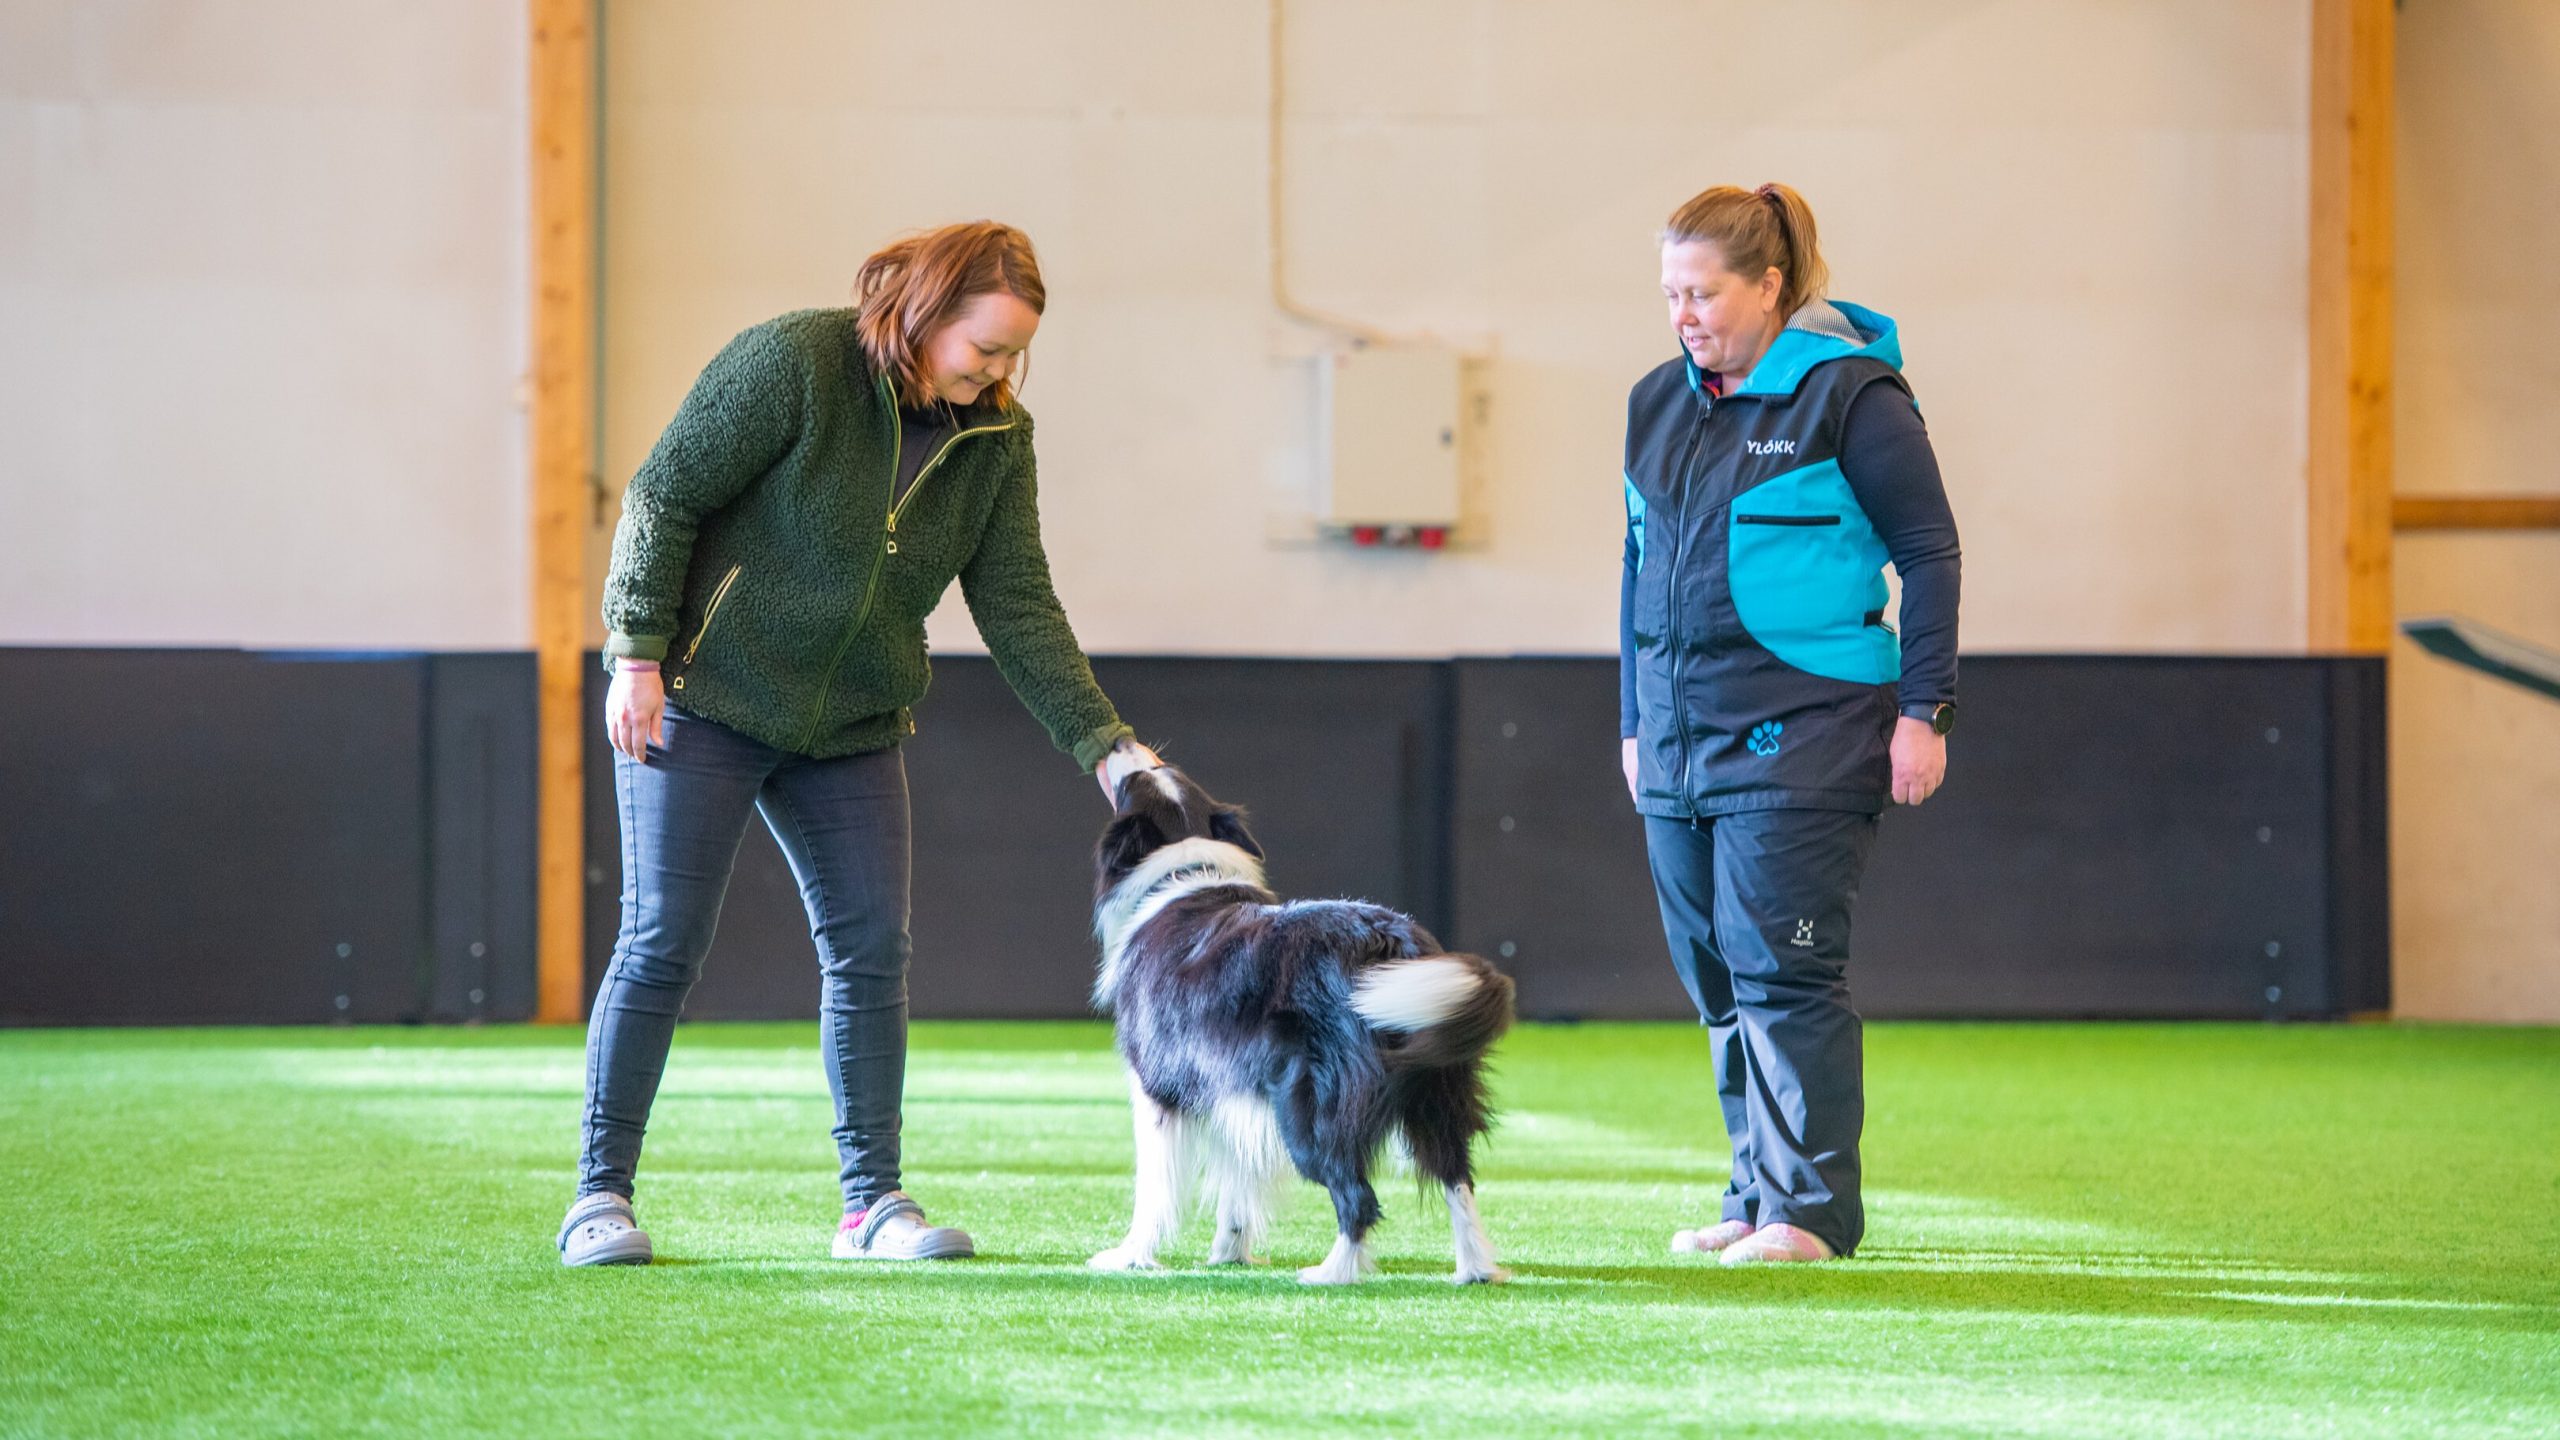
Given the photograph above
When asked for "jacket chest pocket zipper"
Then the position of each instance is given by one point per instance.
(1786, 519)
(719, 597)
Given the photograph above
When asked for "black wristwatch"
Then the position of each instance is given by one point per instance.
(1941, 716)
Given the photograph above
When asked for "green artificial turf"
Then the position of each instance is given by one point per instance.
(2081, 1230)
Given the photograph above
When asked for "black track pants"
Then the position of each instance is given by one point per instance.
(1756, 906)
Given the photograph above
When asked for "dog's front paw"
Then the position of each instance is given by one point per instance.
(1489, 1275)
(1122, 1257)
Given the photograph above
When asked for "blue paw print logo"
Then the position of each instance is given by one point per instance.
(1764, 740)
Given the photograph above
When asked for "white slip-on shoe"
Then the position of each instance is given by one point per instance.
(1777, 1245)
(1708, 1239)
(600, 1230)
(893, 1228)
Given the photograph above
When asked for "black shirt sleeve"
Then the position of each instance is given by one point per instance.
(1885, 457)
(1627, 621)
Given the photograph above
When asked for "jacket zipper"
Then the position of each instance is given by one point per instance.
(719, 597)
(927, 471)
(888, 547)
(1679, 544)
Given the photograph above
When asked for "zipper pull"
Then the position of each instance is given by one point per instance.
(893, 532)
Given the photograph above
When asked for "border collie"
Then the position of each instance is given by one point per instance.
(1317, 1030)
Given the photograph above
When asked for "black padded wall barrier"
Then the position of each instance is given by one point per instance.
(2357, 965)
(215, 837)
(480, 830)
(1550, 860)
(1343, 766)
(2189, 837)
(212, 836)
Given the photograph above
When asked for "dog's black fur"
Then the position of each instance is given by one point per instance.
(1222, 993)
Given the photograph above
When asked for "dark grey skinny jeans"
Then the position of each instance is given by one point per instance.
(843, 825)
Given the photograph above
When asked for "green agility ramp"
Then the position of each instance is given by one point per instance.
(2467, 642)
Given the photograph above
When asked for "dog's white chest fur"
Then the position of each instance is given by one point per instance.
(1164, 877)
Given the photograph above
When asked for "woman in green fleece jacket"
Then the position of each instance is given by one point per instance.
(830, 474)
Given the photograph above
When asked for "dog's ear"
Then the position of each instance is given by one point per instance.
(1227, 823)
(1131, 838)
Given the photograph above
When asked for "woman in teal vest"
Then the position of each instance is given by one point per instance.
(1768, 711)
(829, 475)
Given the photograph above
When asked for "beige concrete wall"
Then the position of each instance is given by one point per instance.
(2475, 793)
(261, 318)
(2476, 763)
(2089, 217)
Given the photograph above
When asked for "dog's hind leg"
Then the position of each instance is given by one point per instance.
(1476, 1263)
(1442, 1114)
(1164, 1163)
(1340, 1167)
(1346, 1264)
(1243, 1167)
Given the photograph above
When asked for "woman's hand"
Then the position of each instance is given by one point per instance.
(1627, 762)
(1126, 758)
(635, 709)
(1919, 761)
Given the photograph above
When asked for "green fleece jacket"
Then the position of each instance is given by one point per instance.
(760, 560)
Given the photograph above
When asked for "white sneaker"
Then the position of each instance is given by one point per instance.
(893, 1228)
(1778, 1245)
(599, 1230)
(1709, 1239)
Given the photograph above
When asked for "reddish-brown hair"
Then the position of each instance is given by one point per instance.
(919, 283)
(1754, 230)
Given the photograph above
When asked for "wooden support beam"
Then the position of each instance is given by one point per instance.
(2350, 329)
(563, 127)
(2476, 512)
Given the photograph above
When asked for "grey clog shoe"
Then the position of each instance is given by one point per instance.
(600, 1230)
(893, 1228)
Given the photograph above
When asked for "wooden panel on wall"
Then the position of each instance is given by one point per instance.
(2350, 326)
(564, 310)
(2476, 512)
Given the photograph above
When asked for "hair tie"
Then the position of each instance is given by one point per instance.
(1778, 213)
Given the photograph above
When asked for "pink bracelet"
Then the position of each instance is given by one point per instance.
(628, 663)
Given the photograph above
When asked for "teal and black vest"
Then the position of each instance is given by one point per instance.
(1761, 663)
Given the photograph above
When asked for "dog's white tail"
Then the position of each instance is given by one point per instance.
(1414, 994)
